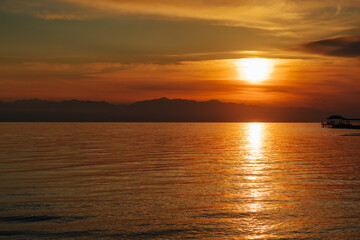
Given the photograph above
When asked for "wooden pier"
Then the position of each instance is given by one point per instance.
(337, 121)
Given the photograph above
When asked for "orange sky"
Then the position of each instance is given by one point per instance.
(125, 51)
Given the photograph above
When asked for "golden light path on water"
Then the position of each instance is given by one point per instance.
(255, 138)
(257, 191)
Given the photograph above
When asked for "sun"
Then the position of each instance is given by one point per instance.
(255, 69)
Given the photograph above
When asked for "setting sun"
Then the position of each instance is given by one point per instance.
(255, 69)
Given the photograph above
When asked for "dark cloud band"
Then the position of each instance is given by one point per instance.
(345, 46)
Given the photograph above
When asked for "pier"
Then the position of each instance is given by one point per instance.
(337, 121)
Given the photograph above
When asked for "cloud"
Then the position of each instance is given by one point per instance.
(285, 17)
(344, 46)
(47, 9)
(126, 40)
(61, 16)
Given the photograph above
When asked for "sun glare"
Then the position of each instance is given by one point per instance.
(255, 69)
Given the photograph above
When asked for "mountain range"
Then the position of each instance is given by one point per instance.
(155, 110)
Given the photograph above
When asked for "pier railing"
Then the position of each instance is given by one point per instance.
(344, 123)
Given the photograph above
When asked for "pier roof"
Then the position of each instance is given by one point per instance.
(336, 117)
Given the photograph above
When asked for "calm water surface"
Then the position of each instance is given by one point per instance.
(178, 181)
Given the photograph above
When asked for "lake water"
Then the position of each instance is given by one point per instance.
(179, 181)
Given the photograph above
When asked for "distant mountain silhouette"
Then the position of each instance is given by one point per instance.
(156, 110)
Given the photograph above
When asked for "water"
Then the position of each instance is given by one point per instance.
(179, 181)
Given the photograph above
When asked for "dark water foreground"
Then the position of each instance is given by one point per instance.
(178, 181)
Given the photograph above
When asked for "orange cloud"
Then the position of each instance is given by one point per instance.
(307, 83)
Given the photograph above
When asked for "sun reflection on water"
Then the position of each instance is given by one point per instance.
(254, 150)
(257, 189)
(255, 140)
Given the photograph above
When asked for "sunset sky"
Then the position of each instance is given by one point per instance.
(123, 51)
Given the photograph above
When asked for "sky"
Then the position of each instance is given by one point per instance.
(123, 51)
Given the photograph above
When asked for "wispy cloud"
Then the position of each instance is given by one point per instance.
(48, 9)
(62, 16)
(287, 17)
(127, 40)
